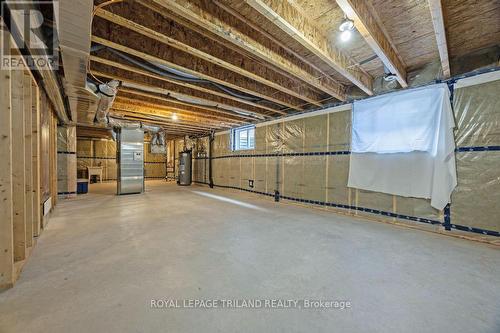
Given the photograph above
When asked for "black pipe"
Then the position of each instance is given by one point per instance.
(210, 166)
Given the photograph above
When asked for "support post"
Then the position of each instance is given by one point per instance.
(210, 163)
(35, 137)
(28, 164)
(6, 222)
(18, 169)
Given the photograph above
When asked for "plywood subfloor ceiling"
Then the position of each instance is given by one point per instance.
(222, 63)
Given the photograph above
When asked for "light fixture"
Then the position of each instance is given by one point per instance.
(345, 35)
(347, 24)
(346, 27)
(388, 76)
(174, 116)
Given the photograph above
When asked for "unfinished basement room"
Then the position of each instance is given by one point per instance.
(250, 166)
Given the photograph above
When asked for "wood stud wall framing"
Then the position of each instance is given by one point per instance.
(20, 185)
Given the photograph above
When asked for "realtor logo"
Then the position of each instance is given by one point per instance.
(32, 26)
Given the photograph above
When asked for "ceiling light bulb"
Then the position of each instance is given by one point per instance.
(345, 35)
(347, 24)
(174, 116)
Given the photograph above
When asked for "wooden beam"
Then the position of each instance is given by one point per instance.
(199, 113)
(35, 137)
(195, 14)
(166, 110)
(199, 68)
(49, 77)
(440, 32)
(173, 93)
(230, 116)
(367, 25)
(263, 77)
(28, 164)
(53, 158)
(136, 70)
(295, 24)
(18, 169)
(153, 59)
(6, 193)
(148, 110)
(158, 121)
(145, 118)
(239, 16)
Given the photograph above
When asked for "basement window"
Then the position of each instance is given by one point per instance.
(243, 138)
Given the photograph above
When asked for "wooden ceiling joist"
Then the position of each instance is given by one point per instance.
(118, 112)
(166, 119)
(154, 59)
(187, 108)
(265, 77)
(167, 111)
(193, 13)
(157, 121)
(273, 39)
(288, 19)
(136, 70)
(440, 32)
(197, 67)
(128, 98)
(368, 26)
(228, 109)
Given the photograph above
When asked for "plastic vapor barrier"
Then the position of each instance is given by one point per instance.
(66, 161)
(475, 200)
(307, 160)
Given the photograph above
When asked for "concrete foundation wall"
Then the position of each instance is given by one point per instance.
(313, 164)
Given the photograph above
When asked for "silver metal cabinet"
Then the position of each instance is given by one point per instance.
(130, 158)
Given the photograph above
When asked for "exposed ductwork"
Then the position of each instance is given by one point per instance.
(74, 31)
(158, 143)
(157, 133)
(106, 94)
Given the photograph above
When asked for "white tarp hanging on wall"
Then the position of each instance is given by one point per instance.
(403, 144)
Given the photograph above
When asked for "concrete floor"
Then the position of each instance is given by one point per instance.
(103, 258)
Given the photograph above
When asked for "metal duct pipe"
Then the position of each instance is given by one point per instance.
(106, 94)
(117, 122)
